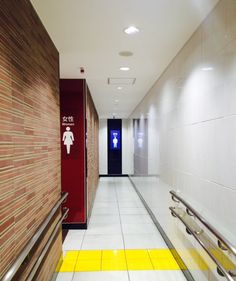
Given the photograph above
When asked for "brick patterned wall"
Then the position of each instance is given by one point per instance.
(45, 271)
(29, 127)
(92, 149)
(49, 263)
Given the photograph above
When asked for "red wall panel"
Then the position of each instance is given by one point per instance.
(72, 100)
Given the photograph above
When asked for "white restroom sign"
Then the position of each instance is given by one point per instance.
(68, 139)
(68, 120)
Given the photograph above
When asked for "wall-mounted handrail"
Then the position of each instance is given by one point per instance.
(188, 219)
(212, 229)
(32, 242)
(48, 244)
(205, 247)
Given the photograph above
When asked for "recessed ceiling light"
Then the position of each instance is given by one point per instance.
(131, 30)
(119, 88)
(120, 81)
(124, 68)
(209, 68)
(126, 54)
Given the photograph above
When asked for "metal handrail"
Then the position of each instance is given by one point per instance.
(212, 229)
(18, 262)
(48, 244)
(205, 247)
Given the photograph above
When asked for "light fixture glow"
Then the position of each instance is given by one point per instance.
(119, 88)
(131, 30)
(208, 68)
(124, 68)
(116, 101)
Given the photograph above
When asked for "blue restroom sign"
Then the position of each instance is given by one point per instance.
(115, 139)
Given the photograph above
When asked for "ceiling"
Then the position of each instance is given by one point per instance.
(89, 34)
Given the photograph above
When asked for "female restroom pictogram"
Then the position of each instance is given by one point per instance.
(68, 138)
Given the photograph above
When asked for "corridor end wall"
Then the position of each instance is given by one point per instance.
(127, 147)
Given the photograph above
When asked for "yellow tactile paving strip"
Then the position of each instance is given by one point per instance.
(109, 260)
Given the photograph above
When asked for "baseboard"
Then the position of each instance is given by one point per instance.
(146, 176)
(115, 175)
(74, 226)
(64, 233)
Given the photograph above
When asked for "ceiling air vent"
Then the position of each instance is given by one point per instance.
(121, 81)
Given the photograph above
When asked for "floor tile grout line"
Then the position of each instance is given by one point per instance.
(151, 259)
(75, 266)
(77, 260)
(126, 262)
(101, 260)
(81, 245)
(73, 275)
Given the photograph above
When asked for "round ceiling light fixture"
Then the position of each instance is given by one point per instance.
(124, 68)
(207, 68)
(131, 30)
(126, 54)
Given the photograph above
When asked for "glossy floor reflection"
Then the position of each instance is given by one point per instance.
(121, 242)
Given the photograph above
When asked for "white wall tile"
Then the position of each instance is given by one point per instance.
(192, 129)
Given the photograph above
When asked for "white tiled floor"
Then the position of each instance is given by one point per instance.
(143, 241)
(73, 240)
(101, 276)
(118, 221)
(155, 276)
(102, 241)
(65, 276)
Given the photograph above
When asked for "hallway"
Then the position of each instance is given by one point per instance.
(121, 242)
(117, 140)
